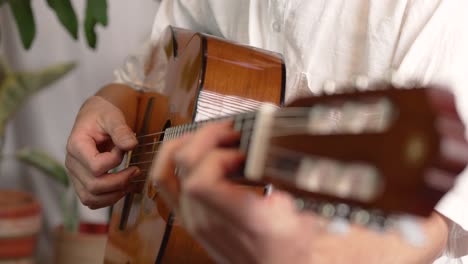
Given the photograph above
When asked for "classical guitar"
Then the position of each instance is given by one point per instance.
(359, 156)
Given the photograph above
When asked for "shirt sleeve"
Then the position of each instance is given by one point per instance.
(194, 15)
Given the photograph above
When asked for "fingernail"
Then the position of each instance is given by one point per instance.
(129, 140)
(136, 172)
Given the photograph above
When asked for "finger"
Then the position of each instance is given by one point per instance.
(84, 149)
(281, 199)
(105, 183)
(208, 137)
(219, 236)
(101, 200)
(212, 170)
(208, 184)
(122, 135)
(162, 172)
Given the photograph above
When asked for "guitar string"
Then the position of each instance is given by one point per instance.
(278, 132)
(248, 129)
(269, 165)
(282, 113)
(144, 176)
(243, 130)
(155, 144)
(163, 132)
(194, 124)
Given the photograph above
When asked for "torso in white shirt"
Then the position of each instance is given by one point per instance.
(341, 40)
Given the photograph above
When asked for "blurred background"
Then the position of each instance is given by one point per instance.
(46, 118)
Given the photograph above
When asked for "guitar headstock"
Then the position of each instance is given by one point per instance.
(362, 155)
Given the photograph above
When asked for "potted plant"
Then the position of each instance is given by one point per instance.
(20, 212)
(74, 241)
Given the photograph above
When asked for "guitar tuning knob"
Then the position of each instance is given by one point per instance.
(329, 87)
(360, 217)
(300, 204)
(343, 210)
(361, 82)
(327, 210)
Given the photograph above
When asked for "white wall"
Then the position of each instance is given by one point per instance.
(47, 118)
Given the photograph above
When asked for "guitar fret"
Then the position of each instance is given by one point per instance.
(242, 122)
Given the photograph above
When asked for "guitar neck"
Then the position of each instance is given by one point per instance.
(242, 123)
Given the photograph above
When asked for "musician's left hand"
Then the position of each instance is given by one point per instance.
(235, 225)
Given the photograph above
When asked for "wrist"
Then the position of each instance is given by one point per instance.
(124, 97)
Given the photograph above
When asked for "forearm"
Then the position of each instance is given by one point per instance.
(123, 97)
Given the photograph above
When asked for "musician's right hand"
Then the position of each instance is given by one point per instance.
(97, 143)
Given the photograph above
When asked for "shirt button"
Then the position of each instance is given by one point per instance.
(276, 26)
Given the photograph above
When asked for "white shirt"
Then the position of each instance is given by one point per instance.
(339, 40)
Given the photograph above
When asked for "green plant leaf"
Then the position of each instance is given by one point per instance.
(17, 87)
(71, 215)
(4, 69)
(66, 15)
(45, 163)
(7, 107)
(96, 13)
(24, 18)
(34, 81)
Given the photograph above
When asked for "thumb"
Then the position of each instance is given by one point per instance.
(122, 135)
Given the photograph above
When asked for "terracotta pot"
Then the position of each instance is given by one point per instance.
(85, 246)
(20, 223)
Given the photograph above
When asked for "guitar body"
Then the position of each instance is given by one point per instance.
(184, 63)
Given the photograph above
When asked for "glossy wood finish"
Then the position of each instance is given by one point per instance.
(183, 63)
(410, 185)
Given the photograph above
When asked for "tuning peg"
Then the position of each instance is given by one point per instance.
(327, 210)
(300, 204)
(343, 210)
(329, 87)
(361, 82)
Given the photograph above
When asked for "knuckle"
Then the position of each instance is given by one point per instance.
(184, 159)
(68, 162)
(95, 168)
(86, 199)
(121, 129)
(70, 144)
(92, 186)
(93, 206)
(212, 160)
(123, 182)
(192, 186)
